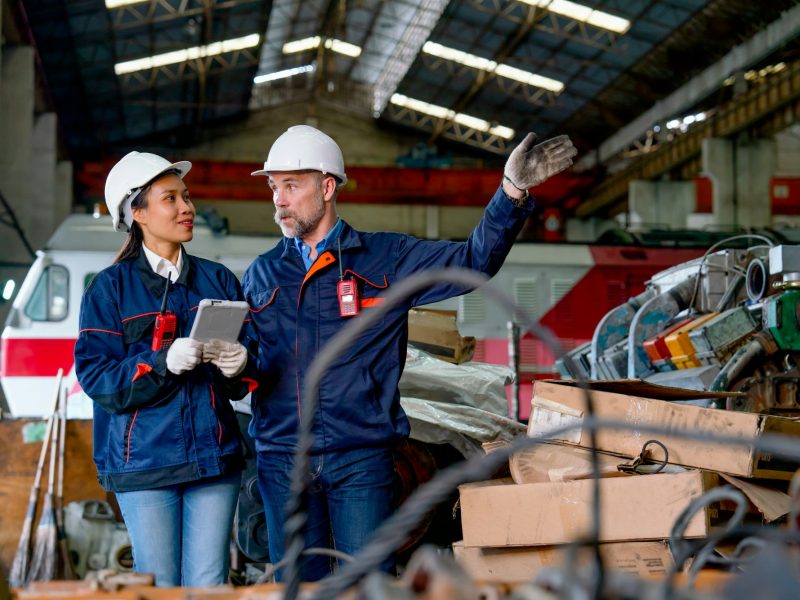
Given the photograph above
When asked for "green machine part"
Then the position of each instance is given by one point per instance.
(782, 320)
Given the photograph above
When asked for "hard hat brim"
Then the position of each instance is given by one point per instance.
(263, 172)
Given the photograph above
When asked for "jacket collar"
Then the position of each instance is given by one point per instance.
(349, 237)
(153, 281)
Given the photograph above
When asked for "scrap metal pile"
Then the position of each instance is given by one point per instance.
(727, 321)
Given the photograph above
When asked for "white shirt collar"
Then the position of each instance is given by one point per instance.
(162, 266)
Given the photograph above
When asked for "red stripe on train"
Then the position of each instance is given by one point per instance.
(36, 357)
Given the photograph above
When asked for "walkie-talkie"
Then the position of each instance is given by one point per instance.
(346, 291)
(166, 323)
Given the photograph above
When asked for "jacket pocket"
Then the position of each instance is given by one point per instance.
(260, 300)
(138, 328)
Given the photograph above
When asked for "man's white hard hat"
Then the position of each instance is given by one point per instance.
(131, 174)
(304, 148)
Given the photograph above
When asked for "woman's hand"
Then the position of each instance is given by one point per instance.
(184, 355)
(230, 357)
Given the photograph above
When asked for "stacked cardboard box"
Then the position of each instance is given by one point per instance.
(436, 332)
(510, 530)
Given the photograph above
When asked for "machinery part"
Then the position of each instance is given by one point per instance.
(782, 320)
(756, 279)
(759, 346)
(650, 319)
(716, 340)
(684, 355)
(613, 327)
(250, 523)
(656, 347)
(96, 540)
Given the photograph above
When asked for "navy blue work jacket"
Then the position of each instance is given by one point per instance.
(151, 427)
(295, 312)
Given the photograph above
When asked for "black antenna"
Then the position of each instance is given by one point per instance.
(166, 293)
(339, 246)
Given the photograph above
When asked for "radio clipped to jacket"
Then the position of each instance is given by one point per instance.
(347, 292)
(166, 324)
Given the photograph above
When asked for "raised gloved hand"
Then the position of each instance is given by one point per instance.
(530, 165)
(230, 357)
(184, 355)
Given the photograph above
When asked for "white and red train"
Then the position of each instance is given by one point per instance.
(567, 287)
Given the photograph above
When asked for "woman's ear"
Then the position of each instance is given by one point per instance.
(139, 215)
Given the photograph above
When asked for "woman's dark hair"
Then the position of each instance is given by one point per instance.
(133, 244)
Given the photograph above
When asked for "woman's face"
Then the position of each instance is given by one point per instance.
(168, 215)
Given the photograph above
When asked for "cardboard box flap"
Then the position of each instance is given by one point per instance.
(638, 387)
(773, 504)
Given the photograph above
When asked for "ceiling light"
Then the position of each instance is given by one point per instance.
(118, 3)
(310, 43)
(283, 74)
(584, 14)
(484, 64)
(179, 56)
(445, 113)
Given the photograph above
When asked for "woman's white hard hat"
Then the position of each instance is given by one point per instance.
(129, 176)
(305, 148)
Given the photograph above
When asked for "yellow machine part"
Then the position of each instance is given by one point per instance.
(681, 347)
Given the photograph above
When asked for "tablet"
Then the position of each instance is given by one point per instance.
(219, 320)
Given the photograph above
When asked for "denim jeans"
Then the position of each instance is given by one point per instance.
(353, 492)
(181, 533)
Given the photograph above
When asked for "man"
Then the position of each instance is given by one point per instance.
(292, 291)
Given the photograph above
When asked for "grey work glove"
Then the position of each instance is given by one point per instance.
(184, 355)
(229, 357)
(530, 165)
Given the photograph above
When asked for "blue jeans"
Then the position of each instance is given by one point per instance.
(352, 493)
(181, 533)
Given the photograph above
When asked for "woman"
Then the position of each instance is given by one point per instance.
(166, 440)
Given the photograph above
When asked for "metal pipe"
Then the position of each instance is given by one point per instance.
(650, 319)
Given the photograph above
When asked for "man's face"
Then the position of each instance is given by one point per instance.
(299, 201)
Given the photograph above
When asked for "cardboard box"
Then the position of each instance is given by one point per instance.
(651, 560)
(557, 404)
(436, 332)
(643, 507)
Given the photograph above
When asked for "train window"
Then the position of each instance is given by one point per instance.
(526, 294)
(50, 298)
(471, 308)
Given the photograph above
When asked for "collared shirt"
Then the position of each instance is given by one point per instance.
(162, 266)
(305, 249)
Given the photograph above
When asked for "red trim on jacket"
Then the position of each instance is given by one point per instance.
(370, 302)
(141, 370)
(365, 280)
(214, 409)
(270, 301)
(139, 316)
(252, 384)
(130, 432)
(99, 331)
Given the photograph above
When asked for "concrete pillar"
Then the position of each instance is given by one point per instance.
(64, 191)
(756, 162)
(718, 165)
(664, 204)
(432, 222)
(43, 180)
(16, 126)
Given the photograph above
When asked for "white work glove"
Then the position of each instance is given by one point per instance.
(230, 357)
(184, 355)
(530, 165)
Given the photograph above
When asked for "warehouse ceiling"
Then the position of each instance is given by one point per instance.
(471, 73)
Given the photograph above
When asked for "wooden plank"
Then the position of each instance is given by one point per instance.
(18, 466)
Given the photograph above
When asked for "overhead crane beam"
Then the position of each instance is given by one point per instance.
(766, 108)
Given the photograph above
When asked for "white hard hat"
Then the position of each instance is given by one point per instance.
(128, 176)
(303, 148)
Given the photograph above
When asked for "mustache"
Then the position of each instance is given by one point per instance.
(280, 214)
